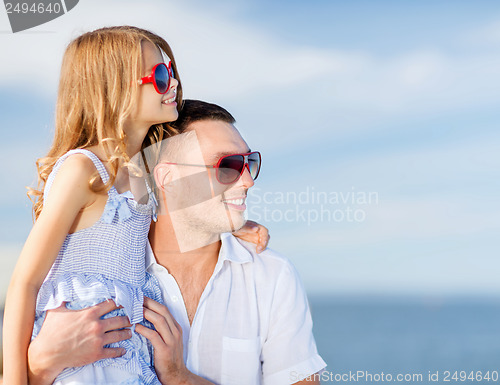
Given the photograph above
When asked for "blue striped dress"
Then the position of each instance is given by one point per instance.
(105, 261)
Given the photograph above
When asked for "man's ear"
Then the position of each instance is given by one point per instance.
(163, 176)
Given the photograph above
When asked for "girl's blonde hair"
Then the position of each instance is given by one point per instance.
(97, 91)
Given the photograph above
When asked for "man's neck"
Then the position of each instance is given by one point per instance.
(180, 262)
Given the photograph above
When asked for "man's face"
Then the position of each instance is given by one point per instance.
(193, 194)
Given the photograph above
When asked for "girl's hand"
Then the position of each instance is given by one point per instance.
(70, 338)
(255, 233)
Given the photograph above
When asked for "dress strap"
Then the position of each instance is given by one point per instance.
(93, 157)
(153, 198)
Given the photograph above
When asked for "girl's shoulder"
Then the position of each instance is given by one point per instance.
(75, 167)
(78, 163)
(75, 164)
(71, 176)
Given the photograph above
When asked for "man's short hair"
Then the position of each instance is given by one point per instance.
(170, 148)
(196, 110)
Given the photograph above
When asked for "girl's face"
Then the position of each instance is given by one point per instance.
(151, 107)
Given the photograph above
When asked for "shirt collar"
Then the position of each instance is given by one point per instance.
(232, 249)
(150, 257)
(235, 250)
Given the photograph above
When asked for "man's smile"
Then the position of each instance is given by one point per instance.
(237, 203)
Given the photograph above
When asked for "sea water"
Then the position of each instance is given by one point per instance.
(442, 339)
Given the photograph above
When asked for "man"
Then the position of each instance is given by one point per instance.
(233, 316)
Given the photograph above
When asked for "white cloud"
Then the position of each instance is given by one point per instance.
(216, 55)
(420, 69)
(488, 34)
(223, 58)
(425, 192)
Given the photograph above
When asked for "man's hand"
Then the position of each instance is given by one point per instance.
(70, 338)
(167, 343)
(255, 233)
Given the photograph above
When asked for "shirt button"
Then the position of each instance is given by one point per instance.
(174, 298)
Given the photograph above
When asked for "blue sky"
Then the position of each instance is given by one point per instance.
(397, 98)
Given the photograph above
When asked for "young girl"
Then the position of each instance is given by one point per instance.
(89, 237)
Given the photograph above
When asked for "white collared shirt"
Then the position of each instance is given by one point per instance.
(252, 325)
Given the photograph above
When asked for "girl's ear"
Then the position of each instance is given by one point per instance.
(163, 176)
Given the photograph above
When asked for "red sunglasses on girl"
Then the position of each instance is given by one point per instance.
(161, 75)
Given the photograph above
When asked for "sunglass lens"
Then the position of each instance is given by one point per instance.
(161, 78)
(230, 168)
(254, 164)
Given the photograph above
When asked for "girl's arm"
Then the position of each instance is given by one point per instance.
(68, 195)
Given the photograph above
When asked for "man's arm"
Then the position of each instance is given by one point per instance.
(167, 343)
(70, 338)
(289, 352)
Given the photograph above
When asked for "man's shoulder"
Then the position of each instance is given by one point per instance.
(269, 260)
(276, 279)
